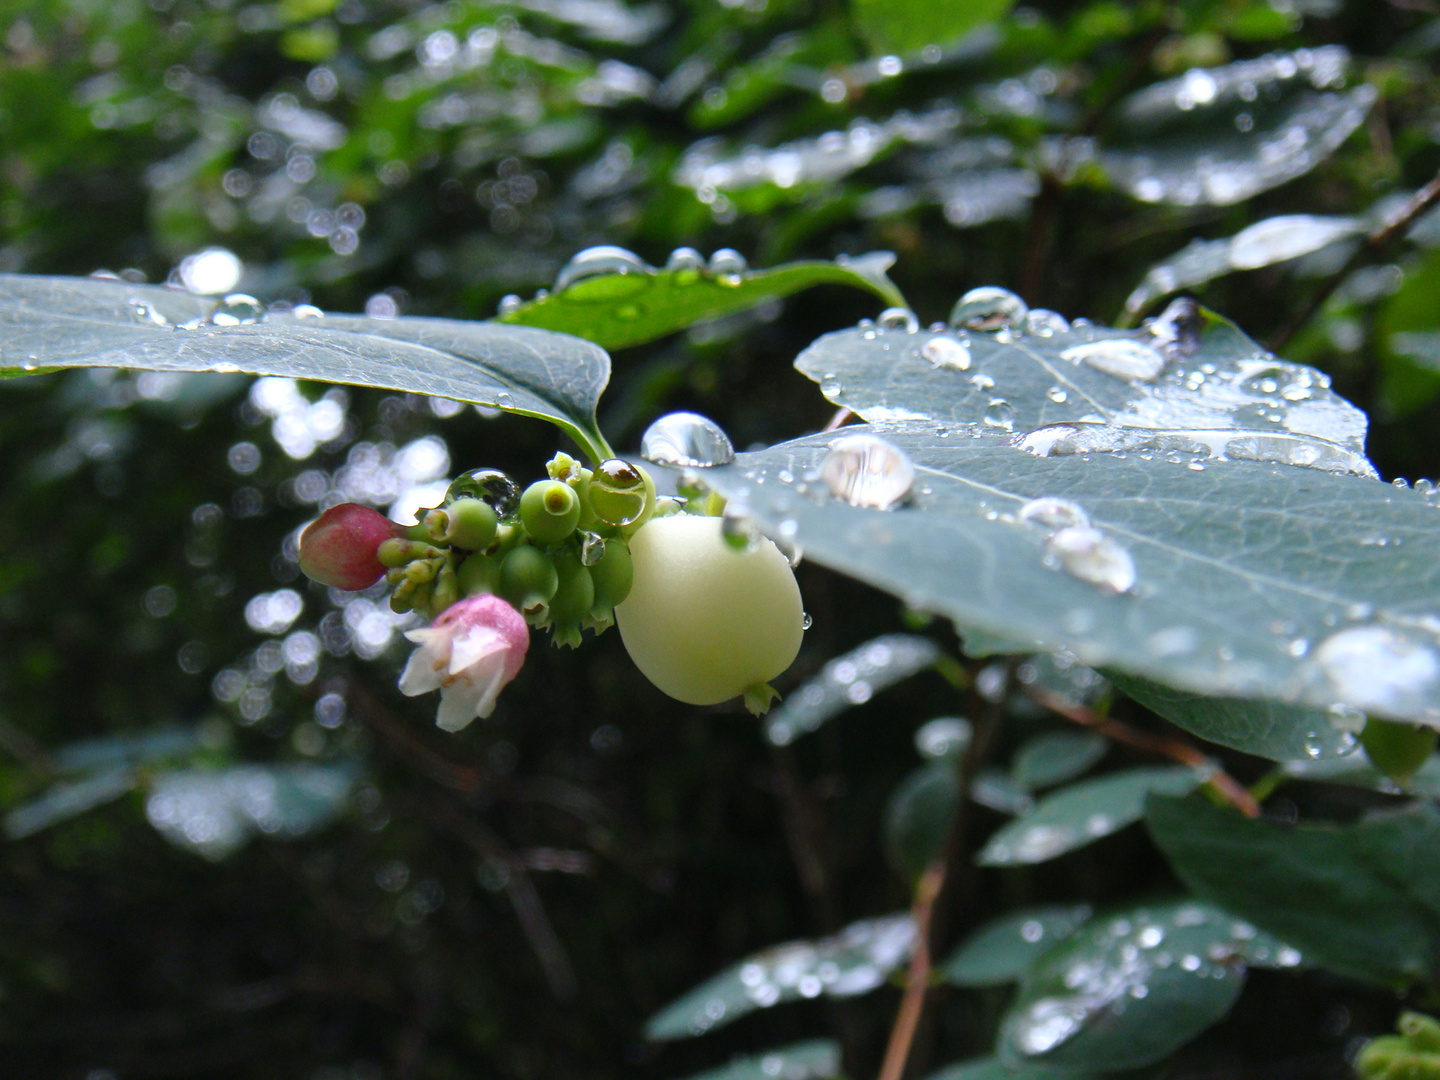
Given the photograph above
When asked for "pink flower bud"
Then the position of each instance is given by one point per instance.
(338, 548)
(469, 654)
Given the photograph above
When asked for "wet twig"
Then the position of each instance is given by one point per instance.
(928, 909)
(1223, 784)
(842, 417)
(1374, 245)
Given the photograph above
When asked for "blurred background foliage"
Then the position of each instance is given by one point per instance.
(234, 849)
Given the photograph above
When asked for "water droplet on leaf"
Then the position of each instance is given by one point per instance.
(865, 470)
(989, 308)
(686, 439)
(237, 309)
(1120, 357)
(947, 353)
(1088, 554)
(602, 261)
(1054, 513)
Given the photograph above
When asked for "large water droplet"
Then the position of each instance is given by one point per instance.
(1120, 357)
(685, 264)
(1000, 414)
(728, 266)
(617, 492)
(592, 548)
(989, 308)
(1045, 323)
(947, 353)
(1177, 328)
(509, 304)
(1088, 554)
(686, 439)
(1378, 669)
(865, 470)
(898, 318)
(1054, 513)
(943, 737)
(490, 486)
(602, 261)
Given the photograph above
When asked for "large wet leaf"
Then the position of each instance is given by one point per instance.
(816, 1059)
(609, 296)
(1217, 136)
(1191, 383)
(1362, 900)
(1269, 729)
(854, 961)
(51, 322)
(1005, 949)
(1128, 990)
(1083, 813)
(1234, 578)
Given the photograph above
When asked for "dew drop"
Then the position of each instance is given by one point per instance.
(602, 261)
(306, 311)
(728, 266)
(617, 492)
(943, 737)
(1057, 394)
(686, 439)
(831, 386)
(1088, 554)
(509, 304)
(1376, 669)
(237, 309)
(899, 318)
(1000, 414)
(685, 264)
(865, 470)
(492, 487)
(806, 621)
(1120, 357)
(1054, 513)
(1045, 323)
(142, 312)
(947, 353)
(592, 548)
(989, 308)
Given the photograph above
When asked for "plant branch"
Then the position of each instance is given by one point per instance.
(842, 417)
(930, 893)
(1374, 245)
(1224, 785)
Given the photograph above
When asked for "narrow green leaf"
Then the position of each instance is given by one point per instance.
(816, 1059)
(847, 681)
(1269, 729)
(919, 815)
(1005, 949)
(1127, 990)
(854, 961)
(992, 1068)
(70, 798)
(49, 322)
(894, 26)
(609, 296)
(1056, 756)
(1082, 813)
(1362, 900)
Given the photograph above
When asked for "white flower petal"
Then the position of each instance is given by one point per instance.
(475, 645)
(423, 671)
(459, 704)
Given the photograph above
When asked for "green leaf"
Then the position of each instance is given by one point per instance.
(609, 296)
(49, 322)
(1268, 729)
(854, 961)
(1218, 136)
(70, 798)
(1005, 949)
(992, 1068)
(1191, 384)
(1127, 990)
(1057, 756)
(849, 680)
(1362, 900)
(894, 26)
(1083, 813)
(918, 818)
(1250, 580)
(1356, 771)
(816, 1059)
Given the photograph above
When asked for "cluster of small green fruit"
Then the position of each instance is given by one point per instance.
(558, 552)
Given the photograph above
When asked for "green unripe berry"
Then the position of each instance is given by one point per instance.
(445, 591)
(1420, 1032)
(574, 597)
(549, 510)
(1397, 750)
(528, 580)
(478, 574)
(619, 493)
(613, 576)
(704, 622)
(466, 523)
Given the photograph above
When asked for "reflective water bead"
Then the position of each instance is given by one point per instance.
(1053, 512)
(1120, 357)
(602, 261)
(686, 439)
(865, 470)
(237, 309)
(492, 487)
(899, 318)
(1088, 554)
(947, 353)
(989, 308)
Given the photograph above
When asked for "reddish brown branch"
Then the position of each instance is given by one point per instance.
(912, 1005)
(1224, 785)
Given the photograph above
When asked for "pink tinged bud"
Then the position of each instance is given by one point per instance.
(469, 654)
(338, 548)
